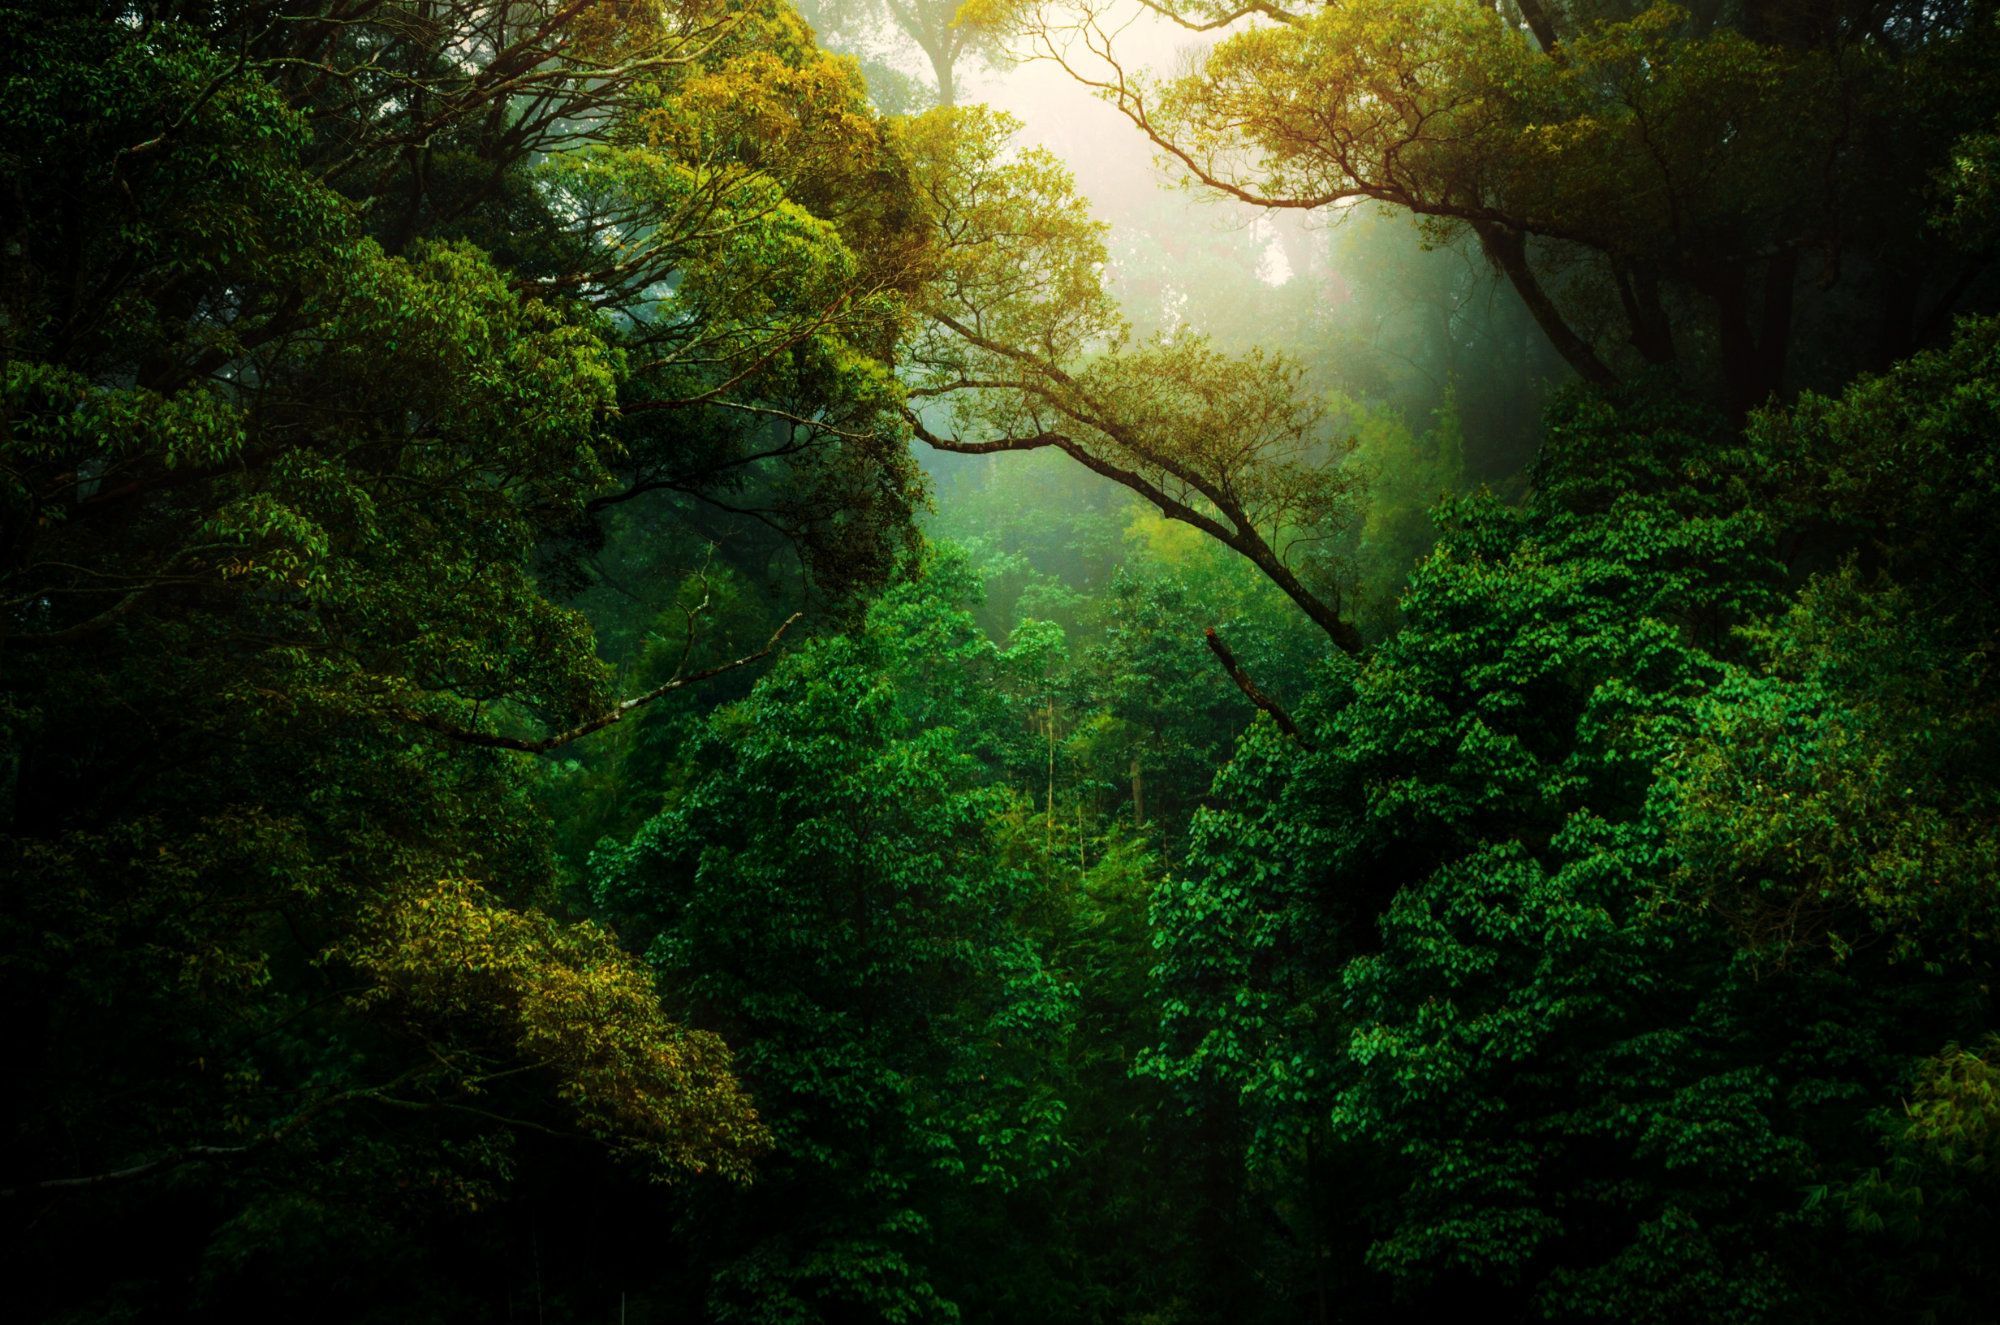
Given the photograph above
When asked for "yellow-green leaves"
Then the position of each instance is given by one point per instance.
(1638, 139)
(1018, 347)
(1015, 253)
(1405, 102)
(567, 1000)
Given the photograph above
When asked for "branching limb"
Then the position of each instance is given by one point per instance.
(1168, 506)
(1257, 8)
(1250, 690)
(542, 745)
(198, 1153)
(171, 1160)
(1240, 534)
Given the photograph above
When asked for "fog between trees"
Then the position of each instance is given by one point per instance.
(901, 662)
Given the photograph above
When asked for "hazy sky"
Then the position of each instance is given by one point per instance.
(1116, 168)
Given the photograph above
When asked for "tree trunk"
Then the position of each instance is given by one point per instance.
(1733, 338)
(1639, 296)
(941, 66)
(1538, 22)
(1774, 341)
(1753, 360)
(1049, 837)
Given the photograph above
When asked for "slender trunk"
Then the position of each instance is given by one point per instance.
(1895, 332)
(1138, 792)
(535, 1235)
(1049, 832)
(1734, 340)
(1752, 364)
(1316, 1239)
(1934, 322)
(1660, 328)
(1639, 296)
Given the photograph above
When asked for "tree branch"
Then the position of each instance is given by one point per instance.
(1240, 536)
(1250, 690)
(195, 1154)
(1069, 446)
(542, 745)
(1539, 23)
(1249, 8)
(1508, 250)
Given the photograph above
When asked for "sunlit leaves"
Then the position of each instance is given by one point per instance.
(570, 1001)
(1018, 347)
(1018, 256)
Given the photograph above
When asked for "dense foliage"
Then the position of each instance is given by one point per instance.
(1443, 785)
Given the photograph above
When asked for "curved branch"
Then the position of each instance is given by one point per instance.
(1250, 690)
(195, 1154)
(1240, 536)
(1251, 8)
(1069, 446)
(542, 745)
(82, 630)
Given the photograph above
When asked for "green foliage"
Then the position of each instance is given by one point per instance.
(1653, 180)
(573, 1002)
(1560, 932)
(389, 390)
(830, 892)
(306, 426)
(1406, 475)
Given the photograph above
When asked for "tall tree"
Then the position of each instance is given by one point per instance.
(831, 891)
(1019, 348)
(933, 26)
(329, 332)
(1661, 185)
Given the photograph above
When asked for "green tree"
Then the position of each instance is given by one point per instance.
(1018, 347)
(1661, 185)
(830, 892)
(932, 26)
(318, 376)
(1516, 941)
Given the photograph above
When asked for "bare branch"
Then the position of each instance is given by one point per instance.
(1250, 690)
(1252, 8)
(542, 745)
(196, 1154)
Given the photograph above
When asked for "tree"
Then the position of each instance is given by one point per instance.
(330, 335)
(932, 25)
(830, 891)
(1617, 899)
(1019, 348)
(1661, 186)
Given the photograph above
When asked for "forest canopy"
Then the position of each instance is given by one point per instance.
(654, 666)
